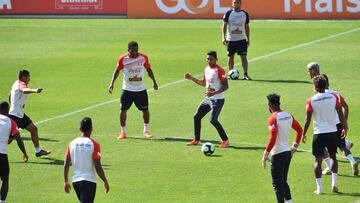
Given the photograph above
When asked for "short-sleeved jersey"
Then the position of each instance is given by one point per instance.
(83, 151)
(339, 97)
(133, 71)
(280, 125)
(8, 128)
(236, 24)
(213, 77)
(323, 106)
(18, 99)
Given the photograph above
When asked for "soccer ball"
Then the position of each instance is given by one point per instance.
(208, 148)
(234, 74)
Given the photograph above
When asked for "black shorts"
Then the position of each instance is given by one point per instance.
(239, 47)
(4, 165)
(340, 142)
(85, 191)
(139, 98)
(322, 141)
(21, 122)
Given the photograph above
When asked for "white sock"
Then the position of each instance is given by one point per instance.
(288, 201)
(327, 161)
(123, 129)
(318, 184)
(351, 158)
(146, 127)
(37, 149)
(334, 179)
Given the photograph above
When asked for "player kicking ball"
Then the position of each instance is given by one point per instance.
(215, 81)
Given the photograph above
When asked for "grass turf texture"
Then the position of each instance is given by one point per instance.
(73, 60)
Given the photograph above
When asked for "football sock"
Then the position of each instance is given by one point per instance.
(351, 158)
(334, 179)
(288, 201)
(146, 127)
(37, 149)
(123, 129)
(328, 162)
(318, 184)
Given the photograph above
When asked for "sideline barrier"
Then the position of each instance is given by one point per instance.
(63, 7)
(263, 9)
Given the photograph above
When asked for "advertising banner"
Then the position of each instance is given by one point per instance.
(63, 6)
(258, 9)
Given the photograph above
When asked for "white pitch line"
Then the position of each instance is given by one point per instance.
(182, 80)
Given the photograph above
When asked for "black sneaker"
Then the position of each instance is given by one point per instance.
(246, 77)
(42, 153)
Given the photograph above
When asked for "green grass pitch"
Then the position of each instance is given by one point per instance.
(73, 60)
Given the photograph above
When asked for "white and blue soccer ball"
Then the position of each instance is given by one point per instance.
(208, 148)
(234, 74)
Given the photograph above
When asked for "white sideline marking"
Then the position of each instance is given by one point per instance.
(182, 80)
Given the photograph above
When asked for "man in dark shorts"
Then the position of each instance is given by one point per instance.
(133, 64)
(326, 109)
(236, 36)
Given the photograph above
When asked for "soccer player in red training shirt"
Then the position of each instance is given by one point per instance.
(8, 131)
(83, 154)
(132, 64)
(280, 124)
(326, 109)
(216, 83)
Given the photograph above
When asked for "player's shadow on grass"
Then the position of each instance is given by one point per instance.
(282, 81)
(41, 139)
(353, 194)
(51, 161)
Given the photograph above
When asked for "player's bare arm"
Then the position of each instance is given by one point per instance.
(188, 76)
(306, 125)
(247, 30)
(114, 77)
(346, 109)
(224, 30)
(30, 91)
(224, 87)
(101, 174)
(343, 122)
(67, 186)
(151, 75)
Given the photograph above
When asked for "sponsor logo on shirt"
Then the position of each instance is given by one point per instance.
(323, 98)
(135, 79)
(285, 118)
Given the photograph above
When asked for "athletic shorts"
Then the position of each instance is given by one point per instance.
(139, 98)
(340, 142)
(85, 191)
(239, 47)
(322, 141)
(21, 122)
(4, 165)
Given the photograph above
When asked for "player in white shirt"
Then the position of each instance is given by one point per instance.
(236, 35)
(18, 94)
(216, 83)
(8, 132)
(280, 125)
(83, 154)
(326, 109)
(133, 64)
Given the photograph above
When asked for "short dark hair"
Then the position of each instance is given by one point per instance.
(320, 82)
(274, 99)
(23, 73)
(132, 44)
(212, 53)
(326, 78)
(86, 124)
(4, 107)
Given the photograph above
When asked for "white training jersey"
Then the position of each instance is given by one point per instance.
(236, 25)
(18, 99)
(323, 105)
(133, 71)
(83, 151)
(213, 77)
(339, 97)
(8, 128)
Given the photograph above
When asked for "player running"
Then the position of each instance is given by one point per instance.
(83, 154)
(326, 109)
(133, 91)
(280, 124)
(236, 36)
(8, 131)
(18, 95)
(215, 81)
